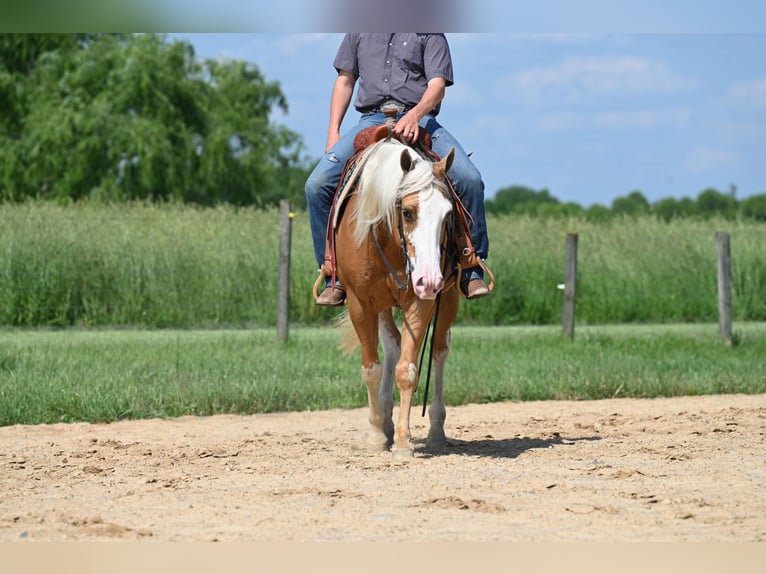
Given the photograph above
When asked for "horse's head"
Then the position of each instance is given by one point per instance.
(424, 205)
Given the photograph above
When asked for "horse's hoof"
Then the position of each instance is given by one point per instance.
(378, 445)
(402, 455)
(436, 439)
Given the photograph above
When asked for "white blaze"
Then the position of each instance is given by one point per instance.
(427, 278)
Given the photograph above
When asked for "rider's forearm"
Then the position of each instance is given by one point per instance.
(342, 91)
(433, 95)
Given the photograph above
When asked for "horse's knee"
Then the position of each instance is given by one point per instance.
(372, 374)
(406, 375)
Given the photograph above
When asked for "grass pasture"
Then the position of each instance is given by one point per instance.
(138, 310)
(49, 376)
(176, 266)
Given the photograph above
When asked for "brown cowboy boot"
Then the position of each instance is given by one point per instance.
(332, 297)
(333, 294)
(475, 288)
(472, 283)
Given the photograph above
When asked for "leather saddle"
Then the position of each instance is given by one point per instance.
(373, 134)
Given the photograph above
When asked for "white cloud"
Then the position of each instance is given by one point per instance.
(462, 94)
(468, 39)
(749, 95)
(646, 119)
(576, 77)
(558, 39)
(708, 159)
(292, 43)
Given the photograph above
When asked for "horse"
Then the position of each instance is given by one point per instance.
(392, 251)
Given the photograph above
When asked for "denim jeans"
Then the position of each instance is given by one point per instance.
(321, 184)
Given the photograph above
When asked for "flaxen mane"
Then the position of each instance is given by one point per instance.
(381, 182)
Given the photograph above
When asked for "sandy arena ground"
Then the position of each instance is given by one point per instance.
(682, 469)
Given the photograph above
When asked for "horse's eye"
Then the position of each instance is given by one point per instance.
(408, 215)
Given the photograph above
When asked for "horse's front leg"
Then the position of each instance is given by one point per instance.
(366, 327)
(437, 412)
(391, 341)
(407, 376)
(378, 437)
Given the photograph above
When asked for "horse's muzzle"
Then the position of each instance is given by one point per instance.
(427, 286)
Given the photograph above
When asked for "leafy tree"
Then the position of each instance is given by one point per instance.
(688, 207)
(754, 207)
(635, 203)
(712, 202)
(136, 116)
(666, 208)
(671, 208)
(597, 212)
(519, 199)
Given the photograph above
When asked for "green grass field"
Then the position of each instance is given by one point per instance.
(175, 266)
(105, 375)
(106, 277)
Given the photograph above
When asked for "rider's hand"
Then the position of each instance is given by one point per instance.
(407, 128)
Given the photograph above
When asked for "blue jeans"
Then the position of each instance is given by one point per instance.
(321, 184)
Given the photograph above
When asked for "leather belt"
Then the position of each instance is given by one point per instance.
(387, 104)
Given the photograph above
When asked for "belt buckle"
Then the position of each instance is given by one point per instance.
(391, 105)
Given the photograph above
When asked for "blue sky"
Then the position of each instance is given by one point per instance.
(589, 116)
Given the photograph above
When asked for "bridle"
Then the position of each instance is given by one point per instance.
(447, 246)
(402, 285)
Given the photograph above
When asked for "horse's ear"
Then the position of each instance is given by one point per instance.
(449, 159)
(406, 161)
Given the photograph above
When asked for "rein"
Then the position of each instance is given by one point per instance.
(432, 323)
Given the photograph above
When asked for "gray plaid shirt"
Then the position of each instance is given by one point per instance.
(396, 66)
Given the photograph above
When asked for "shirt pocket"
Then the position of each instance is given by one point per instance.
(408, 55)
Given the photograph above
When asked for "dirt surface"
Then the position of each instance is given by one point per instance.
(685, 469)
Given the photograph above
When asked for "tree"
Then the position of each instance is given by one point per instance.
(635, 203)
(754, 207)
(136, 116)
(671, 208)
(712, 202)
(597, 212)
(519, 199)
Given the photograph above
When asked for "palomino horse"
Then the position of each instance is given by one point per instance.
(390, 251)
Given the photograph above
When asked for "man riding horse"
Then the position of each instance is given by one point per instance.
(410, 73)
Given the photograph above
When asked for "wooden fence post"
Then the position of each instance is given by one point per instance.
(570, 285)
(724, 286)
(283, 284)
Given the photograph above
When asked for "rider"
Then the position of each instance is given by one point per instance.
(410, 71)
